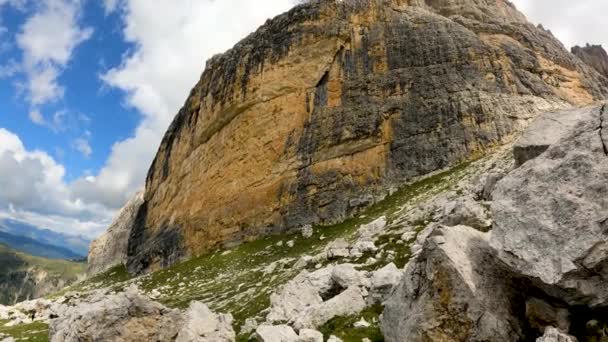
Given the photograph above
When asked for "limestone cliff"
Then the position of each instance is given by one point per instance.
(323, 108)
(595, 56)
(110, 249)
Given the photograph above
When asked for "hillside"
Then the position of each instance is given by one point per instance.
(325, 108)
(359, 171)
(24, 277)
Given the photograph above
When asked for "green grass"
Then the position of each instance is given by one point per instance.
(343, 328)
(56, 267)
(34, 332)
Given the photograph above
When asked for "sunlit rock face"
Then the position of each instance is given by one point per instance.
(325, 107)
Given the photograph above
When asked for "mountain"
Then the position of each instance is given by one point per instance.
(24, 277)
(77, 246)
(595, 56)
(35, 248)
(324, 109)
(110, 249)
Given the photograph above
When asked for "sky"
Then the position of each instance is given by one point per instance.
(88, 88)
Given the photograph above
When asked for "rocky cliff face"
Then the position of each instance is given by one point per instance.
(595, 56)
(325, 107)
(110, 249)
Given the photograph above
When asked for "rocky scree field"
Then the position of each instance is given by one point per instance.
(250, 281)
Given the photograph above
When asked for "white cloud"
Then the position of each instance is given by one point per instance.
(34, 190)
(173, 40)
(36, 117)
(83, 146)
(48, 39)
(573, 22)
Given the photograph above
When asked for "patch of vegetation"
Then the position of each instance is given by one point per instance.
(33, 332)
(343, 327)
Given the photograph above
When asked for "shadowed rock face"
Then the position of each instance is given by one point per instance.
(319, 111)
(595, 56)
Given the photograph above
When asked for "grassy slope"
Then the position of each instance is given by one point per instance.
(241, 280)
(14, 268)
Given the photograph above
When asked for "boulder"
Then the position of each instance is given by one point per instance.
(309, 335)
(276, 333)
(311, 299)
(466, 211)
(551, 214)
(384, 280)
(202, 325)
(345, 276)
(127, 316)
(348, 303)
(554, 335)
(546, 130)
(453, 291)
(130, 316)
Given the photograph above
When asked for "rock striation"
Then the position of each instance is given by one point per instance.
(110, 249)
(327, 106)
(595, 56)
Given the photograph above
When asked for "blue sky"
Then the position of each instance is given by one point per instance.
(88, 88)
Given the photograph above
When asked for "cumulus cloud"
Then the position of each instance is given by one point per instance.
(34, 190)
(173, 40)
(48, 39)
(573, 22)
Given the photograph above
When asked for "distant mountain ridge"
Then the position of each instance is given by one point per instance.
(36, 248)
(25, 237)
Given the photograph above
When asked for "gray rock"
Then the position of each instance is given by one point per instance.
(345, 276)
(554, 335)
(546, 130)
(384, 280)
(309, 335)
(276, 333)
(453, 290)
(202, 325)
(338, 248)
(124, 317)
(551, 214)
(110, 249)
(333, 338)
(348, 303)
(466, 211)
(130, 316)
(307, 231)
(249, 326)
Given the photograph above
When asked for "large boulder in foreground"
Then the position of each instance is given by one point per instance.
(454, 291)
(110, 249)
(130, 316)
(551, 214)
